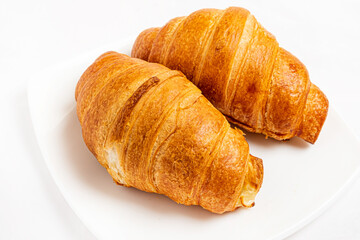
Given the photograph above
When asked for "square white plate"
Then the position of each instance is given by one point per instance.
(300, 179)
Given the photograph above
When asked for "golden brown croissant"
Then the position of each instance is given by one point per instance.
(152, 129)
(241, 69)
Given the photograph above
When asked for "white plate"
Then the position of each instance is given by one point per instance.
(300, 179)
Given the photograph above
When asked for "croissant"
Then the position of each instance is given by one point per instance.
(152, 129)
(241, 69)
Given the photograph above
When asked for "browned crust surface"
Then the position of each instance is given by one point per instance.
(152, 129)
(241, 69)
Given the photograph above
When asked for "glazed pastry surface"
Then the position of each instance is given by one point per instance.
(152, 129)
(241, 69)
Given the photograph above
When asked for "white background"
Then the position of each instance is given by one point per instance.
(34, 35)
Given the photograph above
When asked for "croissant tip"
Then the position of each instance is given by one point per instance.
(314, 116)
(252, 182)
(143, 43)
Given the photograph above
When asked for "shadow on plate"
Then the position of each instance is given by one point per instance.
(262, 141)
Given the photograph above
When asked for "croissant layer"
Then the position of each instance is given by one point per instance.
(241, 69)
(152, 129)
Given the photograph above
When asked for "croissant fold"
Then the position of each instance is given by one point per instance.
(152, 129)
(241, 69)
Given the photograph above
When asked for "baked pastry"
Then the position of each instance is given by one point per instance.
(152, 129)
(241, 69)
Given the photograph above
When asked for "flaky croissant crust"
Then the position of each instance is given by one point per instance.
(152, 129)
(241, 69)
